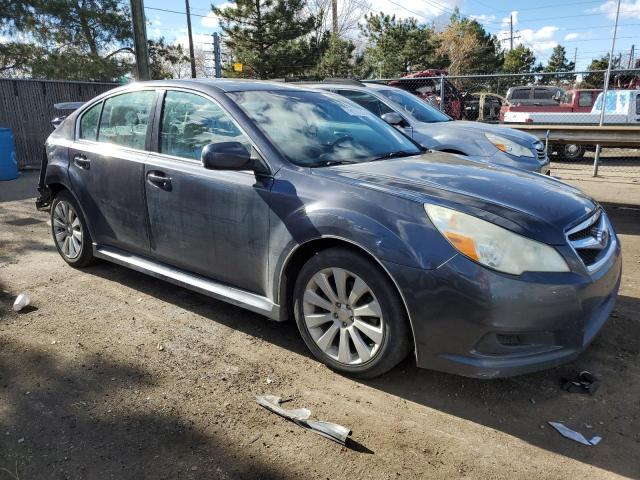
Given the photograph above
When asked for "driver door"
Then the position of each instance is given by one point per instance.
(210, 222)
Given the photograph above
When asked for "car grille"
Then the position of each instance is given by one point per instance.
(592, 240)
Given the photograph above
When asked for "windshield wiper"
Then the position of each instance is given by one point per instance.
(397, 154)
(331, 163)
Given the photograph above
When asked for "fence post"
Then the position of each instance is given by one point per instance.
(442, 93)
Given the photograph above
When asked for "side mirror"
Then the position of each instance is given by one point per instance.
(393, 118)
(226, 156)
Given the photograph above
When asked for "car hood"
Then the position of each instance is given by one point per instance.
(533, 205)
(478, 129)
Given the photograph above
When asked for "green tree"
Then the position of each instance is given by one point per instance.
(397, 46)
(268, 36)
(336, 59)
(558, 62)
(166, 60)
(73, 39)
(596, 79)
(519, 60)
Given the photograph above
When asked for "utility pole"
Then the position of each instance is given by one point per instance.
(511, 30)
(575, 58)
(334, 16)
(216, 55)
(605, 87)
(631, 55)
(191, 54)
(140, 40)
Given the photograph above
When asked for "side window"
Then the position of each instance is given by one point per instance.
(125, 119)
(190, 122)
(520, 94)
(637, 104)
(542, 94)
(585, 99)
(367, 101)
(89, 122)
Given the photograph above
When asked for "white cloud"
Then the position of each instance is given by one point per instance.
(422, 11)
(571, 36)
(200, 40)
(484, 18)
(628, 9)
(211, 20)
(539, 40)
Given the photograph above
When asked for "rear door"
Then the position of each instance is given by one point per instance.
(107, 165)
(210, 222)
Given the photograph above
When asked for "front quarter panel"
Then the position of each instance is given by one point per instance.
(306, 207)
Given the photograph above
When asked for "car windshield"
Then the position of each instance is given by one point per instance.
(321, 129)
(417, 108)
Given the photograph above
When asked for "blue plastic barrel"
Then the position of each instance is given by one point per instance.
(8, 162)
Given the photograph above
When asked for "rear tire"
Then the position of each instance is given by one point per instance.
(350, 315)
(69, 231)
(571, 151)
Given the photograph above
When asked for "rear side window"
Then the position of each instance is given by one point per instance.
(190, 122)
(520, 94)
(125, 119)
(543, 94)
(367, 101)
(585, 99)
(89, 122)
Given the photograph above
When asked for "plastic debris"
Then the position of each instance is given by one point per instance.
(587, 382)
(573, 435)
(300, 416)
(21, 301)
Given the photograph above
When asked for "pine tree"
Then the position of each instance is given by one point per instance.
(271, 38)
(558, 62)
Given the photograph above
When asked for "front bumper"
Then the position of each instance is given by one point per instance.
(472, 321)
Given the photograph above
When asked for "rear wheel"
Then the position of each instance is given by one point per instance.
(70, 232)
(349, 314)
(571, 151)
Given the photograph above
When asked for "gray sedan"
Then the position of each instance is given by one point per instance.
(437, 131)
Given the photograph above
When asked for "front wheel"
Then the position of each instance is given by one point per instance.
(349, 314)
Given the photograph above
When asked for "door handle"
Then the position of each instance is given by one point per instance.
(159, 179)
(81, 161)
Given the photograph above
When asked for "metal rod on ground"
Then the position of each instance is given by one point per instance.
(442, 93)
(216, 55)
(140, 40)
(191, 54)
(607, 76)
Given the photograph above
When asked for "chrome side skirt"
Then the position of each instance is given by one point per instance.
(219, 291)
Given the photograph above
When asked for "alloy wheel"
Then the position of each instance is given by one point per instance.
(67, 229)
(343, 316)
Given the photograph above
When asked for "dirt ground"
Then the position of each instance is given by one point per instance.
(113, 374)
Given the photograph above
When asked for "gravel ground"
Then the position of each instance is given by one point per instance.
(113, 374)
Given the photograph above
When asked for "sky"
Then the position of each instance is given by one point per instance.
(540, 25)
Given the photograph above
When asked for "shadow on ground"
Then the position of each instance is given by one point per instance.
(56, 422)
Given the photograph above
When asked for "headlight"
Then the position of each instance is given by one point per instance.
(493, 246)
(507, 146)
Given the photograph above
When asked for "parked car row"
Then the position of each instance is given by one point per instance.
(436, 131)
(298, 203)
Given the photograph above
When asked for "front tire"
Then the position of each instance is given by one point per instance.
(349, 314)
(69, 231)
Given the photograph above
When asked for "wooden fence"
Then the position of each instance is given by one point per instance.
(26, 106)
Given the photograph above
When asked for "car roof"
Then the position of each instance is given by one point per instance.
(351, 86)
(221, 84)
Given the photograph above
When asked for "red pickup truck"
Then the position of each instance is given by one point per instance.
(578, 100)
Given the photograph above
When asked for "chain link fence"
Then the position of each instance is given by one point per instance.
(565, 106)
